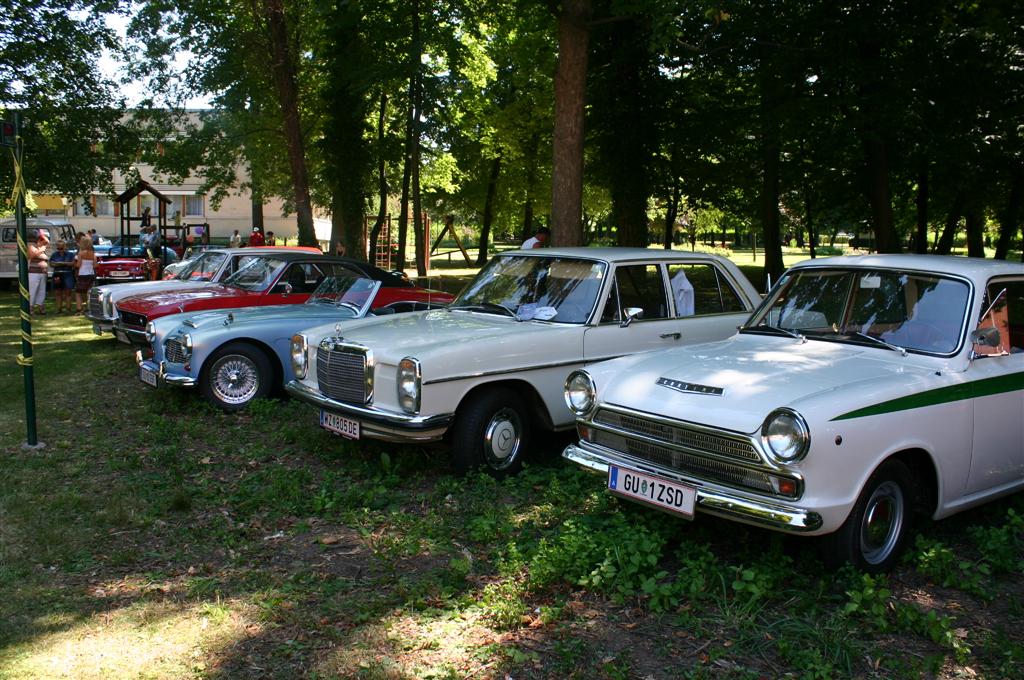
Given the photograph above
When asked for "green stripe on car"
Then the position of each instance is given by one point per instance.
(942, 395)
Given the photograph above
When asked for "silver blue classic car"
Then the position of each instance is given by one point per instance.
(236, 355)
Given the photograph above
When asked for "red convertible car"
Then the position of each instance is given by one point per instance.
(284, 278)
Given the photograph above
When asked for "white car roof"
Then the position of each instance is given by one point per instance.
(974, 267)
(616, 254)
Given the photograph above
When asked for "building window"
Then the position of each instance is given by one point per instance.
(104, 206)
(194, 206)
(151, 202)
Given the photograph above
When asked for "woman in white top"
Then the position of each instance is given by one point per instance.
(85, 270)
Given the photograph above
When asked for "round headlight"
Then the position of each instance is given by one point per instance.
(150, 331)
(785, 436)
(300, 361)
(408, 384)
(580, 392)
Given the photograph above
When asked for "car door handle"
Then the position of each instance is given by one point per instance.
(674, 336)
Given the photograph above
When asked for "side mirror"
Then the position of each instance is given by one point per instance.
(631, 313)
(288, 289)
(986, 337)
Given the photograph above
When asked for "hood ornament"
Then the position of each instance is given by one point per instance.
(690, 388)
(230, 320)
(337, 329)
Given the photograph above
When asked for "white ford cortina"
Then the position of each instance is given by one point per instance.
(487, 372)
(863, 391)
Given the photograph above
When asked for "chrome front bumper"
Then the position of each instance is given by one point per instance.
(135, 336)
(162, 377)
(100, 324)
(712, 501)
(384, 425)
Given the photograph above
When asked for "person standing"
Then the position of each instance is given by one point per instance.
(85, 271)
(37, 267)
(235, 241)
(271, 239)
(63, 262)
(538, 240)
(257, 237)
(147, 217)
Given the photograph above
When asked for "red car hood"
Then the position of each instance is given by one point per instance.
(173, 301)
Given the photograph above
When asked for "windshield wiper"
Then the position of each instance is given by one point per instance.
(761, 327)
(487, 307)
(878, 341)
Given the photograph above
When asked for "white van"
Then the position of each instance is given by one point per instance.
(58, 228)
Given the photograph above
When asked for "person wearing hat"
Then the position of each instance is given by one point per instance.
(38, 262)
(257, 237)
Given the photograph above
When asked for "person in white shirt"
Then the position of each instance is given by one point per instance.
(236, 240)
(538, 240)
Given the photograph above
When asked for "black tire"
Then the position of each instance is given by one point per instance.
(875, 534)
(491, 432)
(234, 375)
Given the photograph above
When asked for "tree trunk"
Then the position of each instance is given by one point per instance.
(570, 94)
(1008, 224)
(975, 231)
(812, 236)
(879, 196)
(415, 62)
(770, 176)
(921, 236)
(283, 70)
(672, 213)
(382, 181)
(485, 228)
(945, 244)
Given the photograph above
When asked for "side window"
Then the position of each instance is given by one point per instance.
(701, 289)
(639, 285)
(1006, 315)
(303, 277)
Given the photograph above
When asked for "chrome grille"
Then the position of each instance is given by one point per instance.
(687, 464)
(680, 435)
(341, 374)
(132, 319)
(96, 304)
(174, 351)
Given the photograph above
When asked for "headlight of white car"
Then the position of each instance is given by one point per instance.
(408, 385)
(580, 392)
(108, 306)
(785, 435)
(300, 361)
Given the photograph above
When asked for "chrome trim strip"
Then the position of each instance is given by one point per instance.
(721, 503)
(407, 425)
(586, 361)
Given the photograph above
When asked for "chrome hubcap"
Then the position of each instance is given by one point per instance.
(882, 523)
(235, 379)
(502, 439)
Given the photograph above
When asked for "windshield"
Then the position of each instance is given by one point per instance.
(257, 274)
(203, 268)
(350, 293)
(893, 309)
(544, 288)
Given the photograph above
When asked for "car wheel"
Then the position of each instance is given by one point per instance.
(235, 375)
(491, 432)
(876, 532)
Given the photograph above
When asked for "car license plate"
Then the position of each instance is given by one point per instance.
(123, 337)
(660, 493)
(346, 427)
(116, 273)
(147, 376)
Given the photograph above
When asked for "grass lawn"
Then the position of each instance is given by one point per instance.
(154, 537)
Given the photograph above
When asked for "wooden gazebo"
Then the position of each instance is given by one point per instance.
(125, 200)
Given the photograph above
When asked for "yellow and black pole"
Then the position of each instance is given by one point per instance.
(11, 137)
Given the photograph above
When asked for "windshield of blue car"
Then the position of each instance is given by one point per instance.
(203, 268)
(893, 309)
(349, 293)
(558, 289)
(257, 274)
